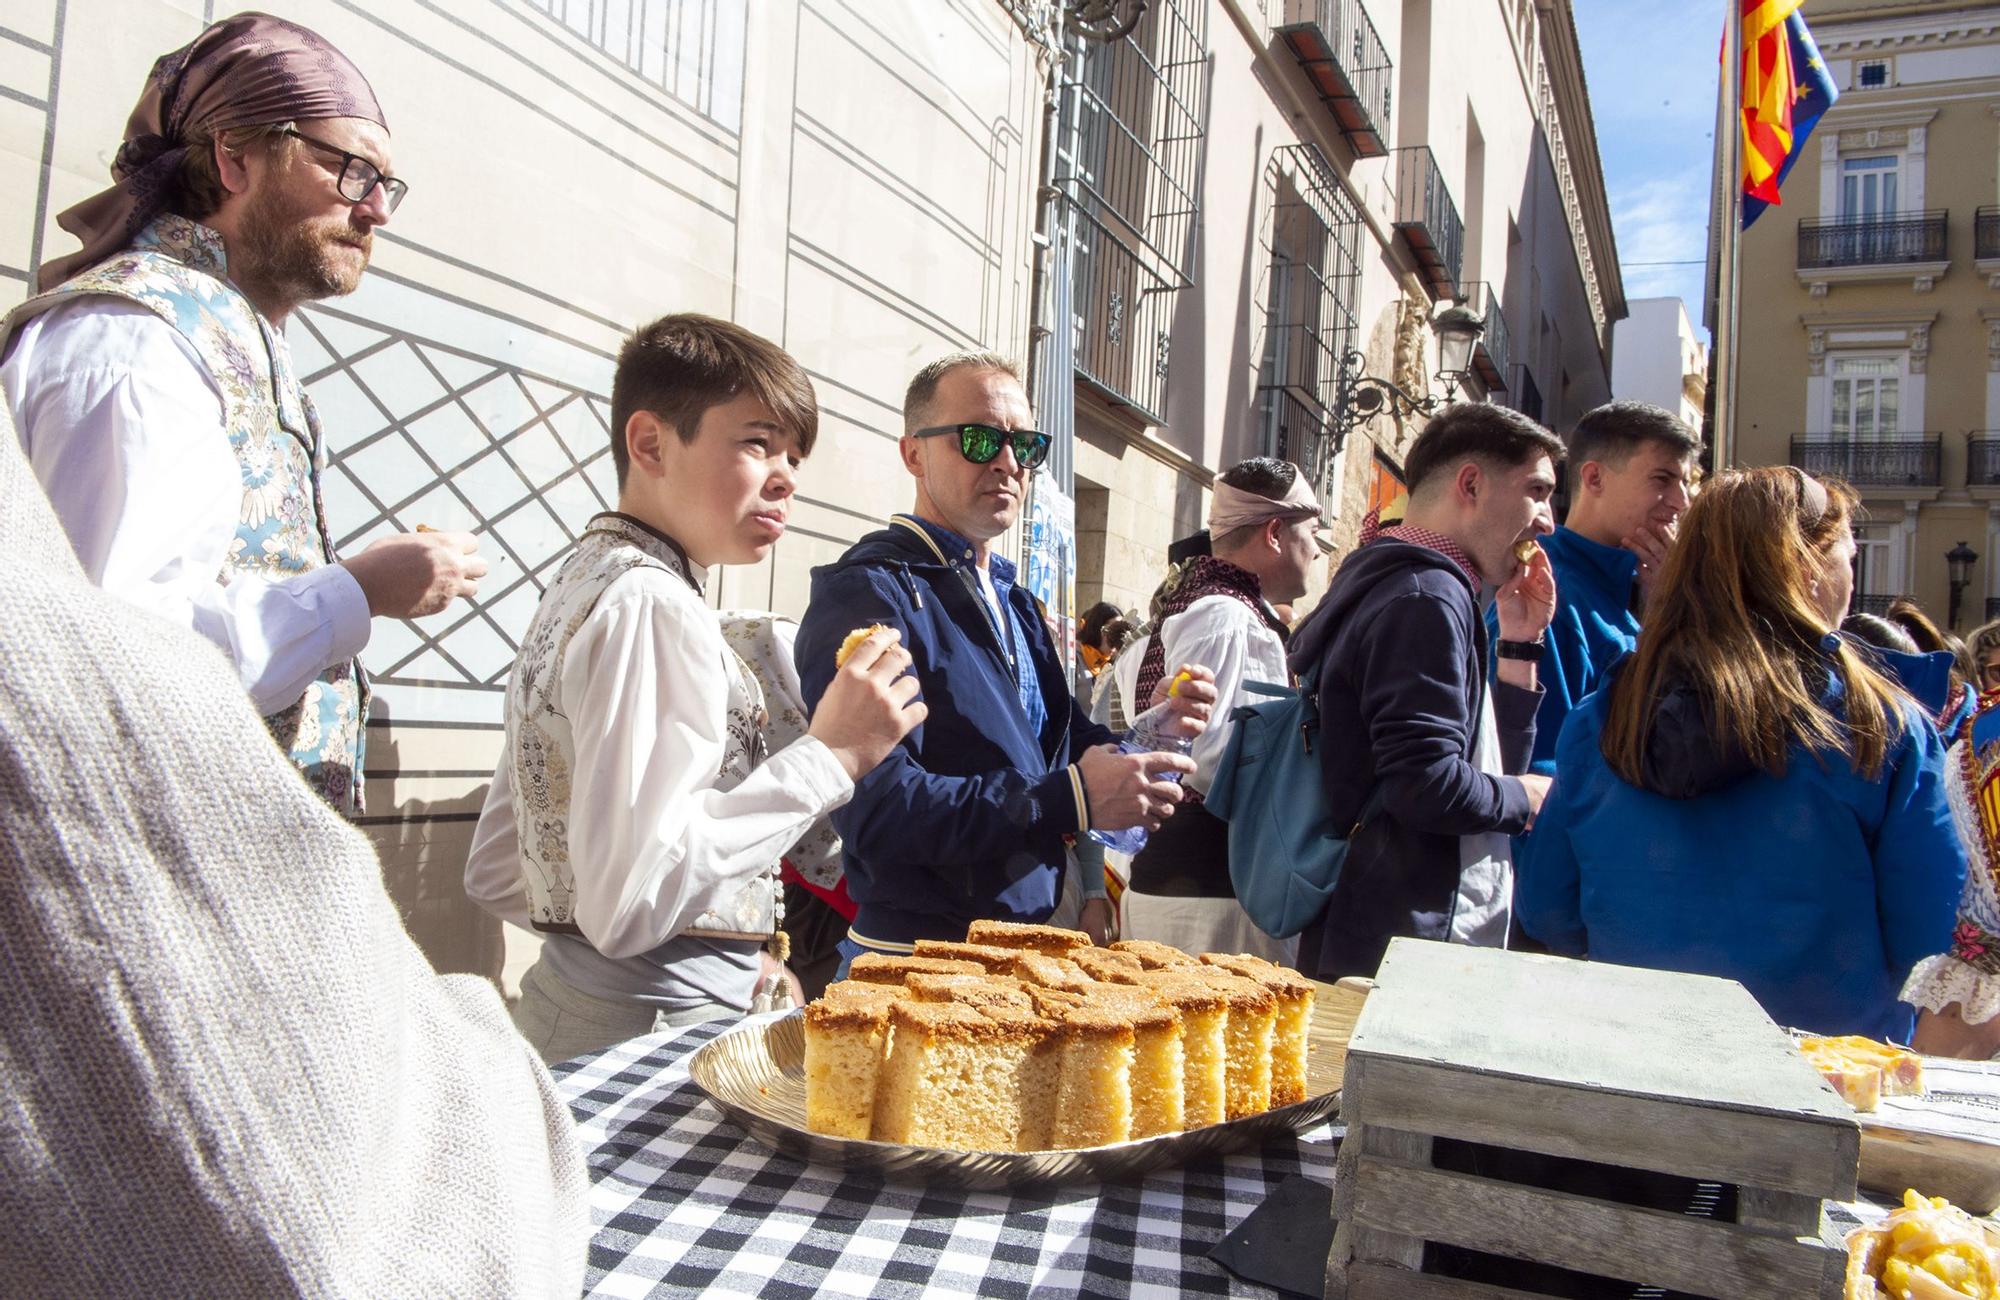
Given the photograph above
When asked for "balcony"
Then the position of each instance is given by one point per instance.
(1341, 52)
(1992, 608)
(1908, 246)
(1876, 605)
(1986, 244)
(1982, 459)
(1299, 429)
(1910, 462)
(1490, 355)
(1428, 220)
(1122, 311)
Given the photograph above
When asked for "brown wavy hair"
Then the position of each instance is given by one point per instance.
(1734, 617)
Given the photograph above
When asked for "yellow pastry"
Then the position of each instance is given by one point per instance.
(853, 643)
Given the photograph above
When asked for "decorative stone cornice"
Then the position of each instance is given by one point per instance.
(1563, 104)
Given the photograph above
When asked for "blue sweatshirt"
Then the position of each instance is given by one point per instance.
(966, 819)
(1817, 890)
(1593, 628)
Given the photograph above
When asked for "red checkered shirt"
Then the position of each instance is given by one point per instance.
(1451, 550)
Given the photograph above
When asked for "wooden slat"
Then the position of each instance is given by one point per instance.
(1590, 1236)
(1786, 1153)
(1381, 1282)
(1355, 1241)
(1784, 1214)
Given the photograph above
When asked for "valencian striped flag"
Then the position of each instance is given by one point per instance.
(1786, 89)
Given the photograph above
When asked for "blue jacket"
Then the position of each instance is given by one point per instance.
(965, 820)
(1593, 628)
(1817, 890)
(1401, 654)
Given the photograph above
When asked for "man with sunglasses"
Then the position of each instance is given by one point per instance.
(157, 400)
(970, 818)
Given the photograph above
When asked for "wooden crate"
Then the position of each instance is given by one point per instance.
(1643, 1070)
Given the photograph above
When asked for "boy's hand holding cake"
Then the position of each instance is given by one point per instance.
(871, 703)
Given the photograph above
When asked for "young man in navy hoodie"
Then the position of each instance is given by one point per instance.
(1631, 470)
(1418, 749)
(969, 818)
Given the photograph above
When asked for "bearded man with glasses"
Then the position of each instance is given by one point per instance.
(157, 401)
(972, 816)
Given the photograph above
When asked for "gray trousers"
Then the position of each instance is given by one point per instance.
(561, 1021)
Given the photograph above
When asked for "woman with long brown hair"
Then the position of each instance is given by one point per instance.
(1749, 795)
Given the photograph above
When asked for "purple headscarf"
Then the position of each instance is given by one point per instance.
(250, 70)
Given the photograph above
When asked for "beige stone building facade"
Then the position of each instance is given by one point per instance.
(1183, 228)
(1870, 335)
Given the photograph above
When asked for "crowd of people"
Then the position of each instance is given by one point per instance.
(1647, 735)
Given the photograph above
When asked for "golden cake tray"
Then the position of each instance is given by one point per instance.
(756, 1075)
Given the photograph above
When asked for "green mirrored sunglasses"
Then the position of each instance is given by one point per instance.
(980, 443)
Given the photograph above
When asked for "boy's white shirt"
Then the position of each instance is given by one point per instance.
(653, 842)
(1226, 636)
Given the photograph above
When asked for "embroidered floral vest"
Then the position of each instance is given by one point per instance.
(175, 268)
(542, 746)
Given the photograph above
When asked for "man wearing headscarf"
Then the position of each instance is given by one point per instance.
(1217, 611)
(157, 401)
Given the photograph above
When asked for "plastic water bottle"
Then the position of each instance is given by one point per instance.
(1151, 733)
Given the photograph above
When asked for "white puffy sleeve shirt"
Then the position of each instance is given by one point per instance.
(1226, 636)
(653, 843)
(124, 428)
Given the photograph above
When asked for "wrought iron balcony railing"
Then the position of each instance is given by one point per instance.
(1982, 459)
(1428, 219)
(1298, 429)
(1876, 605)
(1123, 313)
(1992, 608)
(1341, 51)
(1986, 233)
(1490, 356)
(1887, 241)
(1872, 462)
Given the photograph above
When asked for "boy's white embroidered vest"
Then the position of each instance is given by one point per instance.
(176, 269)
(542, 746)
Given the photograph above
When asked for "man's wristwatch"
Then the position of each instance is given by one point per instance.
(1528, 650)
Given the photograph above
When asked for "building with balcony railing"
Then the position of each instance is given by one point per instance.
(1491, 354)
(1428, 221)
(1868, 310)
(1336, 43)
(1873, 463)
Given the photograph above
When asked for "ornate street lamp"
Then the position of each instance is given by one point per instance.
(1358, 397)
(1959, 561)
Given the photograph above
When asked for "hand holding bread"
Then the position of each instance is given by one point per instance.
(871, 703)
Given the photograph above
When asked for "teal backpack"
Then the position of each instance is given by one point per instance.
(1285, 852)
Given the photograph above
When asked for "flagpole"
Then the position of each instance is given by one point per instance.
(1729, 139)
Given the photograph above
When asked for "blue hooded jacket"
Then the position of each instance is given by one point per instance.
(965, 820)
(1593, 628)
(1817, 890)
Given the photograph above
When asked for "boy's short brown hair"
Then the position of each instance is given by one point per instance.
(680, 365)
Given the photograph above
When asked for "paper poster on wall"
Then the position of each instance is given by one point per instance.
(1050, 571)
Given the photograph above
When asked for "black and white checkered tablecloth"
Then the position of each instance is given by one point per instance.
(685, 1203)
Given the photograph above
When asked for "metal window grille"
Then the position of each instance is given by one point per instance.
(1312, 263)
(1872, 74)
(1134, 115)
(691, 49)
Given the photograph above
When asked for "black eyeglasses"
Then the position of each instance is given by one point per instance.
(980, 443)
(358, 176)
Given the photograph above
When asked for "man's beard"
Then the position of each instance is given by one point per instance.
(292, 259)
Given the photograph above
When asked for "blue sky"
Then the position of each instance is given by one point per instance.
(1652, 69)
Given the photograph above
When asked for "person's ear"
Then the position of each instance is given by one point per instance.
(645, 438)
(1591, 474)
(231, 163)
(912, 452)
(1469, 481)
